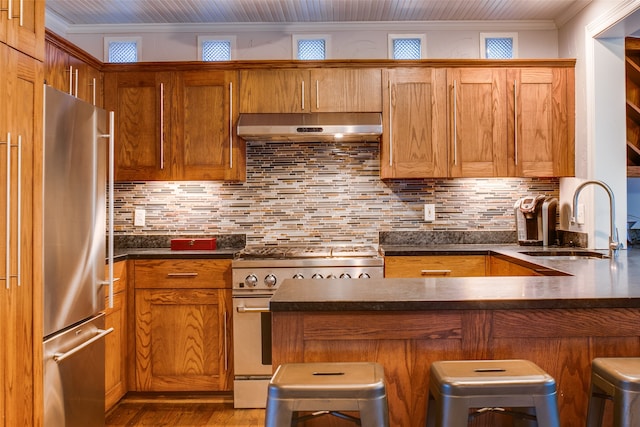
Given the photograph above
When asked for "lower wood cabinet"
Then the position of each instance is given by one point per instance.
(182, 325)
(435, 266)
(115, 380)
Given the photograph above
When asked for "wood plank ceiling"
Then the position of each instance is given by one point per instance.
(96, 12)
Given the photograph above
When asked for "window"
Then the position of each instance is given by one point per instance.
(406, 46)
(310, 47)
(216, 48)
(498, 45)
(122, 49)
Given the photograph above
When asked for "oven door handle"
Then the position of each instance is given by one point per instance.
(243, 309)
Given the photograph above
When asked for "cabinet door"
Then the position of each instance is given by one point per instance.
(274, 91)
(57, 71)
(182, 340)
(141, 101)
(88, 83)
(25, 30)
(116, 342)
(206, 147)
(435, 266)
(414, 118)
(541, 125)
(346, 90)
(22, 87)
(478, 122)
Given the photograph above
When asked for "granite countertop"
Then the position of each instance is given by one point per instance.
(586, 283)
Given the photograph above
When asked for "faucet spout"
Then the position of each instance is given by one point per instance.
(614, 243)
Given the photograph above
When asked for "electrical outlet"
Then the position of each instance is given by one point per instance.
(580, 214)
(429, 212)
(139, 217)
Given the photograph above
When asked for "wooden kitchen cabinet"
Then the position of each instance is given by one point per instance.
(310, 90)
(20, 294)
(115, 380)
(502, 267)
(478, 122)
(175, 125)
(414, 118)
(435, 266)
(24, 30)
(71, 74)
(541, 129)
(183, 325)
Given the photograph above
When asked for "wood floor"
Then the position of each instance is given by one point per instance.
(181, 411)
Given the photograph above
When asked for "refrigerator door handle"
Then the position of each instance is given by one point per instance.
(59, 357)
(111, 195)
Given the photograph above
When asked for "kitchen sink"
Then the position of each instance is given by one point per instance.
(566, 254)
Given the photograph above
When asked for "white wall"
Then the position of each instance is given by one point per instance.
(348, 40)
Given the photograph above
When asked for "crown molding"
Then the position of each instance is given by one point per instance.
(298, 27)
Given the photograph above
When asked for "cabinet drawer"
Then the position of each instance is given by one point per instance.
(176, 274)
(435, 266)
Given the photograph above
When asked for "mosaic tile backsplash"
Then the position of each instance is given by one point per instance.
(316, 193)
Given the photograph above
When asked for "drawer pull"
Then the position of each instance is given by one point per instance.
(435, 272)
(182, 275)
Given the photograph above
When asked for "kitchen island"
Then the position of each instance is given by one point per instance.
(559, 322)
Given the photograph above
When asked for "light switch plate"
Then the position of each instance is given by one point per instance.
(139, 217)
(429, 212)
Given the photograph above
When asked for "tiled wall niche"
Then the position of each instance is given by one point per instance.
(314, 193)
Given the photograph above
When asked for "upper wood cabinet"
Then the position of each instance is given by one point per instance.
(22, 26)
(478, 123)
(72, 75)
(414, 143)
(175, 125)
(21, 125)
(310, 90)
(541, 124)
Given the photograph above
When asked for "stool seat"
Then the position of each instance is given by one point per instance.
(330, 388)
(616, 379)
(455, 387)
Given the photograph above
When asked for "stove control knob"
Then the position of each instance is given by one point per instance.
(251, 281)
(298, 276)
(317, 276)
(345, 276)
(364, 276)
(331, 276)
(270, 280)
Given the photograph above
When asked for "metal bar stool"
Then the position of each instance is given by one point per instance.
(327, 388)
(616, 379)
(505, 386)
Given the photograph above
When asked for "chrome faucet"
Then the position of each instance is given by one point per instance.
(614, 243)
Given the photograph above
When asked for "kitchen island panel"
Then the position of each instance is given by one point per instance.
(561, 341)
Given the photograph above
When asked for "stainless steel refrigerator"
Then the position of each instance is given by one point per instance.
(76, 145)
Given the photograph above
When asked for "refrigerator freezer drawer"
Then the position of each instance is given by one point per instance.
(74, 376)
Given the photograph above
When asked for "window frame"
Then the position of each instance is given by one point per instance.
(421, 36)
(485, 36)
(295, 38)
(204, 38)
(136, 40)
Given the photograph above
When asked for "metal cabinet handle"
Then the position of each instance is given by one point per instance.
(302, 97)
(389, 85)
(161, 126)
(93, 91)
(59, 357)
(243, 309)
(230, 125)
(75, 86)
(515, 119)
(182, 275)
(10, 14)
(435, 272)
(455, 122)
(70, 78)
(226, 350)
(317, 95)
(19, 213)
(7, 278)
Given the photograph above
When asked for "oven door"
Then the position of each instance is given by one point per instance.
(251, 336)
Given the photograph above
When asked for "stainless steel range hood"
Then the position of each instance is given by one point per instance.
(310, 127)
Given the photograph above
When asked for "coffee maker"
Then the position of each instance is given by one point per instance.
(536, 220)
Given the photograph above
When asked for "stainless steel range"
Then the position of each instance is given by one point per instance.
(257, 273)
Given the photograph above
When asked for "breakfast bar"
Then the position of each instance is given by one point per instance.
(560, 322)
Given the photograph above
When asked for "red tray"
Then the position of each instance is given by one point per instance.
(193, 244)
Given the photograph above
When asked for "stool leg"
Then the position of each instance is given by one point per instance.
(547, 413)
(626, 409)
(374, 412)
(432, 407)
(455, 412)
(595, 410)
(278, 414)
